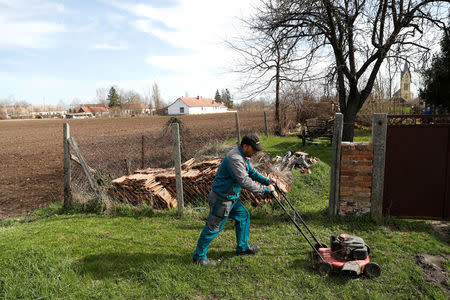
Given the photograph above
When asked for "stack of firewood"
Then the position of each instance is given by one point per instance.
(157, 187)
(142, 188)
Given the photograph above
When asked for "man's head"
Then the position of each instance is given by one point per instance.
(250, 145)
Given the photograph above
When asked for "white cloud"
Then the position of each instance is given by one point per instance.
(185, 63)
(28, 34)
(109, 47)
(199, 27)
(115, 18)
(192, 24)
(19, 31)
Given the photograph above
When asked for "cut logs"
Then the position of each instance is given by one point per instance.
(156, 187)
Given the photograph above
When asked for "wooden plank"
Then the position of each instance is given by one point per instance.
(83, 164)
(75, 159)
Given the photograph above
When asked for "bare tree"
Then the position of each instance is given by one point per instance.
(357, 35)
(61, 105)
(133, 102)
(5, 107)
(101, 95)
(156, 96)
(304, 100)
(75, 103)
(132, 97)
(6, 102)
(148, 97)
(259, 104)
(268, 59)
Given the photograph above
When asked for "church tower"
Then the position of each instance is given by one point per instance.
(405, 84)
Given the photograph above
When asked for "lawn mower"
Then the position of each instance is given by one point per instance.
(348, 254)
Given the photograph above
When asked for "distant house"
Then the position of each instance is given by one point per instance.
(79, 115)
(135, 109)
(53, 113)
(195, 106)
(97, 110)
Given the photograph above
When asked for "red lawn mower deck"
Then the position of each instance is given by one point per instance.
(348, 254)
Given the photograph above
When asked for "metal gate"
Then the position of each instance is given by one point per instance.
(417, 170)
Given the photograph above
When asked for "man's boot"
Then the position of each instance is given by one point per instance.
(205, 262)
(252, 250)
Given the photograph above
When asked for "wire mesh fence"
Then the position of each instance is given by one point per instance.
(138, 168)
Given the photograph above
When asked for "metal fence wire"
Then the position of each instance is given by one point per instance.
(148, 158)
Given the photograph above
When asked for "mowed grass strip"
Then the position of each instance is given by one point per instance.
(85, 256)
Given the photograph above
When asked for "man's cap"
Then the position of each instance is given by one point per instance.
(253, 141)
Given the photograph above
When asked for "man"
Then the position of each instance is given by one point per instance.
(233, 174)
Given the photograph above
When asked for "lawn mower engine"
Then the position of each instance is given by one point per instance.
(348, 247)
(348, 254)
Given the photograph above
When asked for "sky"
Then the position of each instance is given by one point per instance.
(56, 51)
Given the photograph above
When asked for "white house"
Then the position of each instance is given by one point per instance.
(195, 106)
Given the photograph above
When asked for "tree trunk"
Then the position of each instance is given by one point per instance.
(353, 105)
(349, 127)
(277, 101)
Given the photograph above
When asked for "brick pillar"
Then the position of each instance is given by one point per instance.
(355, 178)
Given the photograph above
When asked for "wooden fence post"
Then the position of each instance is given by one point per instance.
(143, 153)
(177, 162)
(127, 166)
(238, 131)
(265, 124)
(84, 166)
(379, 132)
(335, 164)
(67, 171)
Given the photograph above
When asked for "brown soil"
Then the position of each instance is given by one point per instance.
(435, 271)
(442, 228)
(31, 172)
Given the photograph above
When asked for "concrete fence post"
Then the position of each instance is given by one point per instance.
(238, 131)
(177, 162)
(67, 171)
(335, 164)
(379, 132)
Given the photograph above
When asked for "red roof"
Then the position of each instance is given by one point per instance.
(93, 109)
(200, 102)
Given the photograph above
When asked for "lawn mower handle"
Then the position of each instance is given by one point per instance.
(281, 192)
(296, 225)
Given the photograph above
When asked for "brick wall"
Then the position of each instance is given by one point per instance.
(355, 178)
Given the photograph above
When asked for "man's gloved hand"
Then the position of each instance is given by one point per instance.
(271, 188)
(272, 181)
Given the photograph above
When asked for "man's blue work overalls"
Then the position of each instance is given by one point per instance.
(234, 173)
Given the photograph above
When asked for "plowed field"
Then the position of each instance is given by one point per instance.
(31, 172)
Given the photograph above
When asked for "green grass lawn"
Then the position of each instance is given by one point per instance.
(75, 255)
